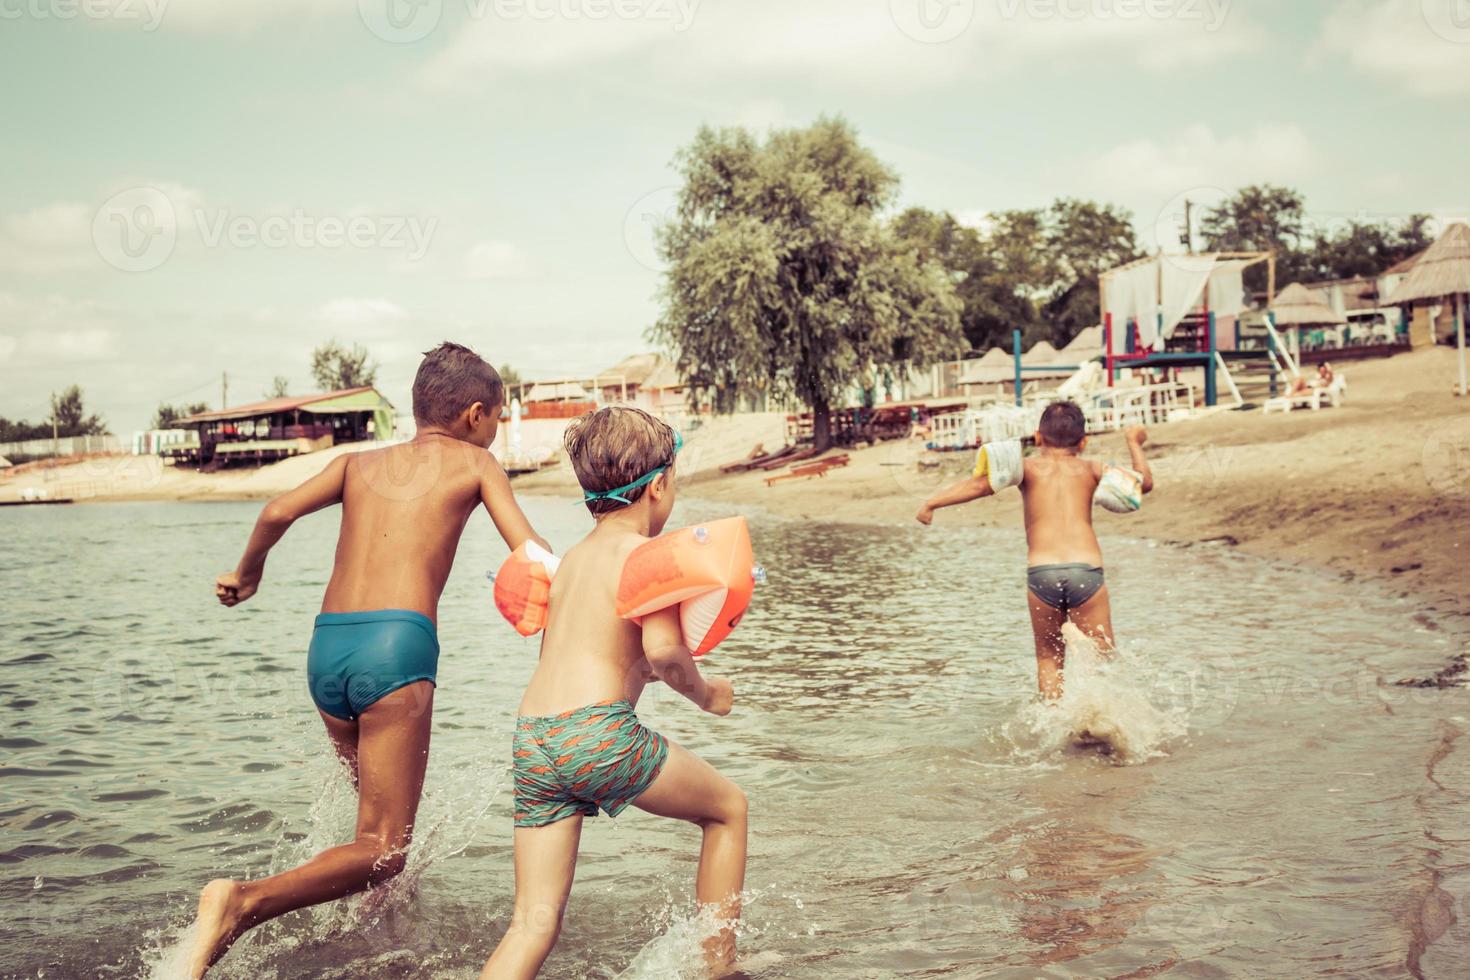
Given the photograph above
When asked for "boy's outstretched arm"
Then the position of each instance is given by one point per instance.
(1137, 437)
(500, 501)
(663, 645)
(961, 493)
(322, 490)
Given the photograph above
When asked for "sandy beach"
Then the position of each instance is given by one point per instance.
(1378, 488)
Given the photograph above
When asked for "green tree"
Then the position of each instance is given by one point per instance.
(1258, 218)
(335, 366)
(20, 430)
(1363, 248)
(1035, 270)
(280, 387)
(167, 414)
(783, 277)
(71, 417)
(1085, 240)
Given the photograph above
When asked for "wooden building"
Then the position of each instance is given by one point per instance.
(264, 432)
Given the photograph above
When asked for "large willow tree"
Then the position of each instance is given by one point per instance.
(783, 276)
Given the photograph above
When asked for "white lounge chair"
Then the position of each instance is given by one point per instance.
(1312, 398)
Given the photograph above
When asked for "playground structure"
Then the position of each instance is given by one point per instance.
(1184, 311)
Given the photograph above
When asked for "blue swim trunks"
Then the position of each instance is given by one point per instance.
(358, 658)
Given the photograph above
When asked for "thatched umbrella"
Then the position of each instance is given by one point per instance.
(1443, 272)
(1298, 306)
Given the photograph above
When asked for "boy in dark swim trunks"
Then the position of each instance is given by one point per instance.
(1065, 577)
(374, 651)
(579, 746)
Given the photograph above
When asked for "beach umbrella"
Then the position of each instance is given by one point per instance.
(1298, 306)
(1443, 273)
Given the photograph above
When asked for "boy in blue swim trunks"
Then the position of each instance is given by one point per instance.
(578, 745)
(374, 652)
(1065, 576)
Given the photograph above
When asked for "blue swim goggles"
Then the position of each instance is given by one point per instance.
(617, 494)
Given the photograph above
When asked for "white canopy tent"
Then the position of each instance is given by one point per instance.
(1158, 292)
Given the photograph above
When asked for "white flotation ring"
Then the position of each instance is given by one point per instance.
(1120, 490)
(1002, 462)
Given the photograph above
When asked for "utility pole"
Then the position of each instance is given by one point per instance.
(55, 441)
(1187, 239)
(224, 390)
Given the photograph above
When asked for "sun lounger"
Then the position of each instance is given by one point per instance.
(810, 470)
(1312, 398)
(785, 452)
(785, 459)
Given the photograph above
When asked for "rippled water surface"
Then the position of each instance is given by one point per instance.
(1282, 810)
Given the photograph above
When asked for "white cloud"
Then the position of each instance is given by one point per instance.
(357, 312)
(54, 329)
(50, 238)
(835, 42)
(1422, 45)
(494, 260)
(1200, 158)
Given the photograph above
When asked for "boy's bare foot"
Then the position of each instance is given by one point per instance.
(218, 924)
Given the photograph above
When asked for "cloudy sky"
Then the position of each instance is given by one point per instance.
(204, 186)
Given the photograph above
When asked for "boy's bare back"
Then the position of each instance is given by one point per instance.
(403, 511)
(588, 653)
(1057, 492)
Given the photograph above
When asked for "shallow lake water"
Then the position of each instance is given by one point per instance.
(1279, 808)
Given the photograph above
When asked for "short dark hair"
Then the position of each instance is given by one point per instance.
(612, 447)
(451, 379)
(1063, 425)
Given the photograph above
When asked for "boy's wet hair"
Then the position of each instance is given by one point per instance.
(1063, 425)
(451, 379)
(613, 447)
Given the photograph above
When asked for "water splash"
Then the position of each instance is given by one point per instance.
(677, 953)
(1110, 705)
(452, 816)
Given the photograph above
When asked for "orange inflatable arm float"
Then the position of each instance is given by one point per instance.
(523, 587)
(708, 571)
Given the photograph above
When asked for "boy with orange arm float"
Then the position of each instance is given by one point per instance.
(374, 652)
(1065, 576)
(578, 744)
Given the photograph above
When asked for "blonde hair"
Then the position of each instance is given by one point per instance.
(614, 447)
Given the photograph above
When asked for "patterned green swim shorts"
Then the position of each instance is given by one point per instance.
(579, 760)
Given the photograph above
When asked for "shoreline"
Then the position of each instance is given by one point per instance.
(1378, 489)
